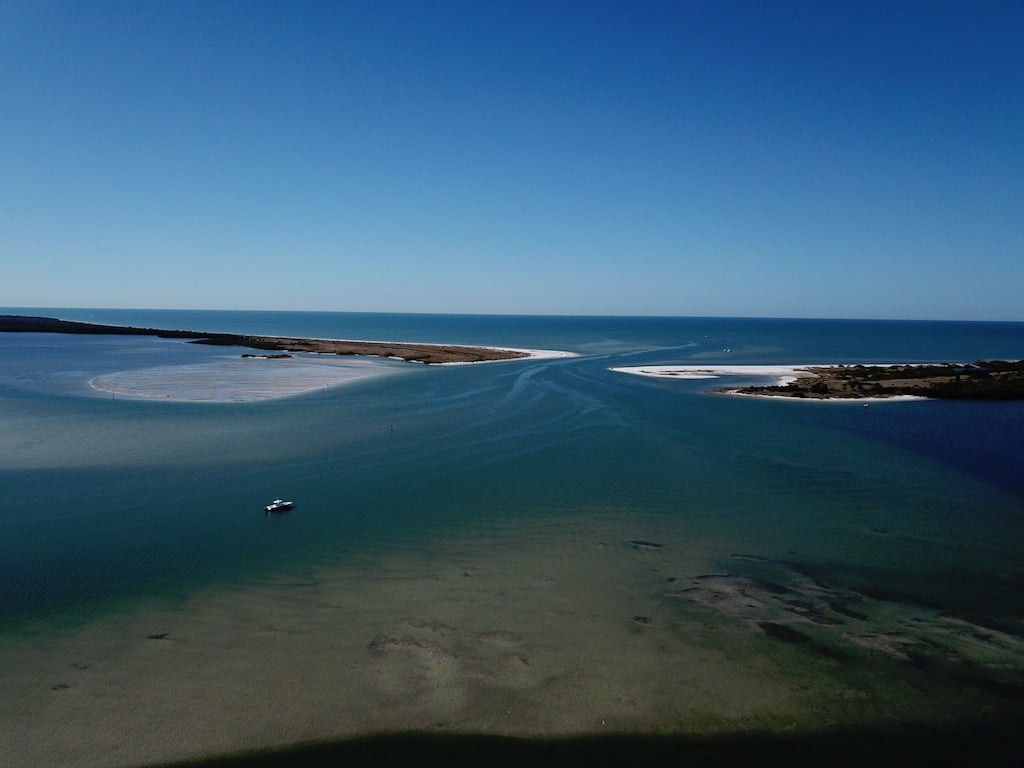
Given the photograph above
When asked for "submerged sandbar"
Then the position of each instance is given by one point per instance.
(250, 378)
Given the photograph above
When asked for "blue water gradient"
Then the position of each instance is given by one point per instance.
(109, 501)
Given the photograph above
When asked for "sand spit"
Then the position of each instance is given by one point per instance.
(413, 352)
(416, 352)
(274, 370)
(519, 354)
(783, 374)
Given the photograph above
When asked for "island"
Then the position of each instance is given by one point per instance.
(422, 353)
(982, 380)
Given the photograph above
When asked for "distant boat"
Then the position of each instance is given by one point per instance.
(279, 505)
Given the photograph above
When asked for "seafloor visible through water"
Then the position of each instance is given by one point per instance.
(542, 548)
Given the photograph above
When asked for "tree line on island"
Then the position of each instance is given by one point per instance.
(981, 380)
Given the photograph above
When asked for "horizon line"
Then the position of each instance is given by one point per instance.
(517, 314)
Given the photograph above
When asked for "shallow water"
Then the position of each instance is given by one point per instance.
(525, 547)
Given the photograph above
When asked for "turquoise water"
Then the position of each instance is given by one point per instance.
(139, 497)
(114, 505)
(129, 498)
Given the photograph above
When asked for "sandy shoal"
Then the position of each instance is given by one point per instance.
(238, 380)
(258, 377)
(506, 637)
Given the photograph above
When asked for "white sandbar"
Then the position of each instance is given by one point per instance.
(783, 373)
(530, 354)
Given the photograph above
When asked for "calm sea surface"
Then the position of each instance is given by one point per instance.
(891, 535)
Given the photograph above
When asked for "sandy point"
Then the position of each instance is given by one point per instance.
(782, 373)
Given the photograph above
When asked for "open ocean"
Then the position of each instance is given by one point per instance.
(535, 547)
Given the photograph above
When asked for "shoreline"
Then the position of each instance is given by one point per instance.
(782, 373)
(421, 352)
(277, 367)
(990, 380)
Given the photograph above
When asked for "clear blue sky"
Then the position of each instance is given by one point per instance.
(788, 158)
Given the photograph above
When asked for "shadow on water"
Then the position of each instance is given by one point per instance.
(991, 744)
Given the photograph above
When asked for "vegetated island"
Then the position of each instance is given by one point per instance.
(422, 353)
(982, 380)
